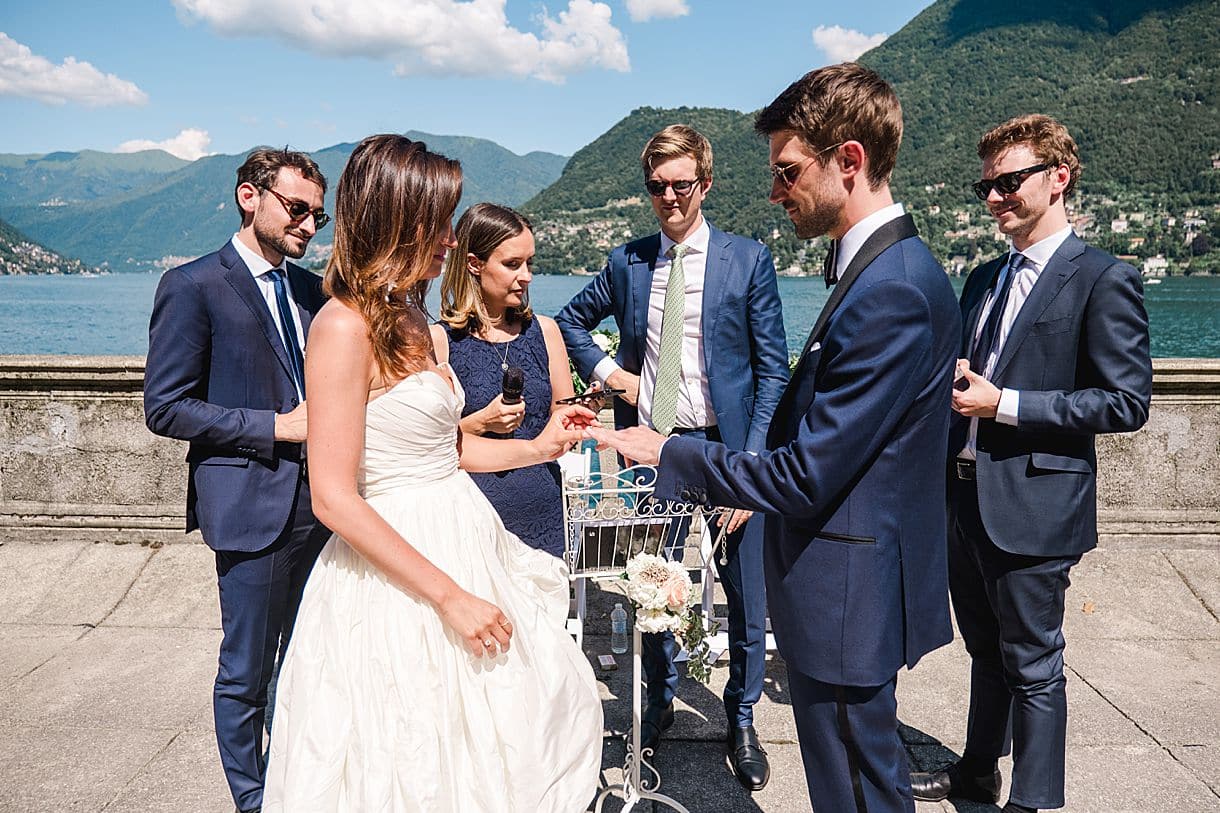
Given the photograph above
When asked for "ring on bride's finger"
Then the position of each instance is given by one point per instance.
(488, 643)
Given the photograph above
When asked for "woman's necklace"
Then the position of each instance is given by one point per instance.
(504, 360)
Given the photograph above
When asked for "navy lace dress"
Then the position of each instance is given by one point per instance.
(527, 499)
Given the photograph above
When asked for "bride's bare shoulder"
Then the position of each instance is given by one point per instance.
(336, 320)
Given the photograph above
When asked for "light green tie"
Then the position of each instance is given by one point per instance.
(669, 354)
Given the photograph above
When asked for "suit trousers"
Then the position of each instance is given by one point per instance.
(746, 598)
(1009, 608)
(259, 596)
(854, 759)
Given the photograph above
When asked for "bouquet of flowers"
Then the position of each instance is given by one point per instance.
(664, 599)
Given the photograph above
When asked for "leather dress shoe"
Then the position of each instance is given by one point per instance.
(251, 810)
(953, 783)
(656, 719)
(746, 758)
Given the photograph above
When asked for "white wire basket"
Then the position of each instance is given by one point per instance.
(612, 517)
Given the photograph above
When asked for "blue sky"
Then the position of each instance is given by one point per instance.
(201, 76)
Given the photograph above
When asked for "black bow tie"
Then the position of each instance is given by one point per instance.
(828, 264)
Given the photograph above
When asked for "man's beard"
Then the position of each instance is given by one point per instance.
(279, 242)
(816, 223)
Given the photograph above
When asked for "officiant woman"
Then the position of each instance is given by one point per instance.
(486, 328)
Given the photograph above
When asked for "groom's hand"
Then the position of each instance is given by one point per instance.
(637, 443)
(291, 426)
(978, 400)
(734, 518)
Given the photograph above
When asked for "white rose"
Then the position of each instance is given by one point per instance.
(602, 341)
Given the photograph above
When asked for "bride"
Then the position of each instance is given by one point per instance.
(429, 669)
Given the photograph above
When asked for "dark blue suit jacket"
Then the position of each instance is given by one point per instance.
(853, 478)
(216, 375)
(1078, 354)
(745, 352)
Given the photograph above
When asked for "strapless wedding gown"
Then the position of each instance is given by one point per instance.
(380, 706)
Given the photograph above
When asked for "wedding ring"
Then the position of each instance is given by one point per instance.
(488, 643)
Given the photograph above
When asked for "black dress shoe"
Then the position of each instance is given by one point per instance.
(953, 783)
(746, 759)
(251, 810)
(656, 719)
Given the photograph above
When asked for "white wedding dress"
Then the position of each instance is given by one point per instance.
(380, 707)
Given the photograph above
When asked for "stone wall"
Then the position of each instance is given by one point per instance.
(76, 460)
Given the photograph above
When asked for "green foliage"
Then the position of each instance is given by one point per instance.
(1137, 83)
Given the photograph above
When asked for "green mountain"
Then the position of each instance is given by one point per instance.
(190, 211)
(20, 255)
(1138, 83)
(61, 177)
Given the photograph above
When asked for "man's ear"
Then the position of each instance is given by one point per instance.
(851, 158)
(247, 198)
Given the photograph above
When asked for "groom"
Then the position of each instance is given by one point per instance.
(225, 372)
(852, 480)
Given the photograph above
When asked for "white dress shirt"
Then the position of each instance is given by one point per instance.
(258, 268)
(1026, 275)
(857, 235)
(694, 396)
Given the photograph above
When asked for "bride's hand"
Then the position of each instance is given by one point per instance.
(564, 430)
(482, 626)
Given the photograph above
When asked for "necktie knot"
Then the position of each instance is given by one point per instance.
(677, 251)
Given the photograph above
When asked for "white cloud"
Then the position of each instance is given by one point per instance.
(438, 37)
(844, 44)
(643, 10)
(188, 145)
(24, 73)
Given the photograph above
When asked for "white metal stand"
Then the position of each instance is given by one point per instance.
(634, 788)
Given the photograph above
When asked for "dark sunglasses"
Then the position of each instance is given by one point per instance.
(783, 172)
(299, 210)
(1007, 183)
(681, 188)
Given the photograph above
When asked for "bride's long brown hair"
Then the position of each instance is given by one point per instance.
(393, 205)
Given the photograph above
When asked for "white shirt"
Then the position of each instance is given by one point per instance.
(1026, 275)
(258, 268)
(857, 235)
(694, 397)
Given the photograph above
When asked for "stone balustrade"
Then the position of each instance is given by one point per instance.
(76, 461)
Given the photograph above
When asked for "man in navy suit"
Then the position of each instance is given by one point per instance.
(852, 479)
(225, 372)
(1055, 351)
(702, 354)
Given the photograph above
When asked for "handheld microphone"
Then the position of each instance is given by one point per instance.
(512, 385)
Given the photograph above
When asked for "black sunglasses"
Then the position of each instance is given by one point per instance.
(1007, 183)
(299, 210)
(681, 188)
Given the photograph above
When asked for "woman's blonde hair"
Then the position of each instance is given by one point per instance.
(480, 231)
(393, 206)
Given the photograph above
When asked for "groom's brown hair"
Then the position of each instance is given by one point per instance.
(839, 103)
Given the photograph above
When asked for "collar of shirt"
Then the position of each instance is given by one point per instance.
(1040, 253)
(696, 242)
(257, 264)
(858, 234)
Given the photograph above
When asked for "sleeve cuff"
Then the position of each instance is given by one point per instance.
(604, 369)
(1009, 407)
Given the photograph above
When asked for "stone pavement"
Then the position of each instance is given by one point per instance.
(108, 651)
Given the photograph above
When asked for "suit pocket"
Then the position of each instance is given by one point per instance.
(217, 460)
(1051, 326)
(1044, 461)
(847, 538)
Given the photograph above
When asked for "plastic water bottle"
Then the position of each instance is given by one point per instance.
(618, 630)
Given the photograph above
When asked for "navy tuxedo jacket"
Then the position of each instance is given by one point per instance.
(745, 352)
(217, 374)
(853, 478)
(1078, 354)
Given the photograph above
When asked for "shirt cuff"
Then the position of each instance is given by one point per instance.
(1009, 407)
(604, 369)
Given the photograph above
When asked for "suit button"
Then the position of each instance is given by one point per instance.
(685, 494)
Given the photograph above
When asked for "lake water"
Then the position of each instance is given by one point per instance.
(109, 314)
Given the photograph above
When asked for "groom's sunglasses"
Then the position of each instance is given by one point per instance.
(1007, 183)
(298, 210)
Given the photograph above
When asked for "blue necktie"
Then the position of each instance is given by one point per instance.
(288, 330)
(991, 329)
